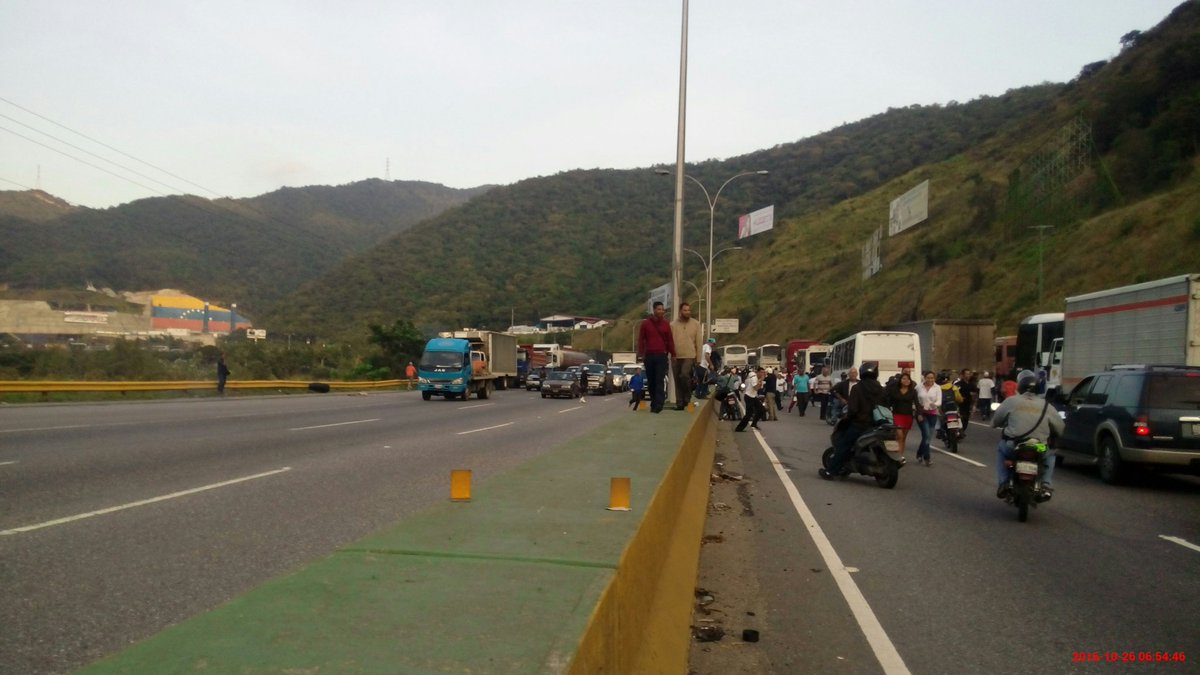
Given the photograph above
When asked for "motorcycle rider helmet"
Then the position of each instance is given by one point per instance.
(1027, 382)
(942, 378)
(869, 370)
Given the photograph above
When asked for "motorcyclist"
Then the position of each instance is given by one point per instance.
(1022, 417)
(867, 394)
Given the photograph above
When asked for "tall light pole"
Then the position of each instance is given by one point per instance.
(712, 216)
(1041, 231)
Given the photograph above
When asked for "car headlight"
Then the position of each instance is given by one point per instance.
(457, 380)
(422, 380)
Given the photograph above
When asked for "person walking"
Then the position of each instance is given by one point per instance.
(841, 392)
(655, 348)
(902, 399)
(754, 411)
(583, 384)
(637, 388)
(410, 373)
(222, 374)
(985, 386)
(967, 388)
(770, 387)
(929, 402)
(821, 386)
(799, 391)
(687, 335)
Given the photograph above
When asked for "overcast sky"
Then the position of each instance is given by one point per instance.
(241, 98)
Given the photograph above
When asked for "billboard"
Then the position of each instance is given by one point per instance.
(725, 326)
(908, 209)
(758, 221)
(661, 294)
(870, 255)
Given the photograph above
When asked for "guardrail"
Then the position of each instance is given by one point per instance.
(47, 386)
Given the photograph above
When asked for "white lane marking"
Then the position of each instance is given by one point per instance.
(7, 463)
(472, 431)
(69, 426)
(336, 424)
(881, 644)
(1182, 542)
(122, 507)
(958, 457)
(477, 405)
(578, 407)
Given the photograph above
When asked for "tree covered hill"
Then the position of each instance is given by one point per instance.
(249, 251)
(594, 242)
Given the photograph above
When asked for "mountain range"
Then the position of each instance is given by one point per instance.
(327, 261)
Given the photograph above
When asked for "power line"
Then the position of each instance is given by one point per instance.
(89, 152)
(17, 184)
(105, 145)
(81, 161)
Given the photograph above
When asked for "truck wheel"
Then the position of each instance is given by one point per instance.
(466, 394)
(426, 395)
(485, 391)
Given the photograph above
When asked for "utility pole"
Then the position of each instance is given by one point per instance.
(1041, 254)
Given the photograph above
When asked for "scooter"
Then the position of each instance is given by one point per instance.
(951, 428)
(729, 405)
(1026, 469)
(876, 453)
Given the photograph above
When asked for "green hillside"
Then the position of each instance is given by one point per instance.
(594, 242)
(249, 251)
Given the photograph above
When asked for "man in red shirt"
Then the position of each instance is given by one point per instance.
(655, 347)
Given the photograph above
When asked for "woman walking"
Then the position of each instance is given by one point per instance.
(902, 399)
(929, 401)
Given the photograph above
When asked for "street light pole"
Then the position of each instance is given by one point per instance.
(712, 217)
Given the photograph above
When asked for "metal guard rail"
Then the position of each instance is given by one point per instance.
(46, 386)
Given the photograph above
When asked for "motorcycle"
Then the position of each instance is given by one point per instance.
(876, 453)
(1026, 469)
(951, 430)
(729, 405)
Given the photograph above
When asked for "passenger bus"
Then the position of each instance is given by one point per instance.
(892, 350)
(734, 355)
(1035, 336)
(770, 356)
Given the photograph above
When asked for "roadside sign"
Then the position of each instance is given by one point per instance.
(725, 326)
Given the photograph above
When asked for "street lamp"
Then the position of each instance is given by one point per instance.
(712, 214)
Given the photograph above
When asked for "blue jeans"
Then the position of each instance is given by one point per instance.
(656, 369)
(927, 425)
(843, 447)
(1004, 450)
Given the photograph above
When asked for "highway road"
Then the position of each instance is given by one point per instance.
(117, 520)
(1098, 580)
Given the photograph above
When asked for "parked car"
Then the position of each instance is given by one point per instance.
(1135, 416)
(561, 383)
(533, 380)
(599, 380)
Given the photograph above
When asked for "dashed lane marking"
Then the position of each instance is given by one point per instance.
(474, 431)
(1182, 542)
(335, 424)
(122, 507)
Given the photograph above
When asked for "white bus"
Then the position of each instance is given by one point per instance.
(734, 355)
(813, 357)
(891, 350)
(770, 356)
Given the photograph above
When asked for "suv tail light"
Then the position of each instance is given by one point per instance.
(1141, 427)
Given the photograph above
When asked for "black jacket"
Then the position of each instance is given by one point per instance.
(863, 398)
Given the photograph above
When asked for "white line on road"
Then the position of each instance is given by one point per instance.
(959, 457)
(477, 405)
(122, 507)
(464, 433)
(68, 426)
(1182, 542)
(881, 644)
(578, 407)
(336, 424)
(7, 463)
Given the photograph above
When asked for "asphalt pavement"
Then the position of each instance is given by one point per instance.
(1101, 577)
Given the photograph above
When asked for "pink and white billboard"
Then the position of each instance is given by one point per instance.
(756, 222)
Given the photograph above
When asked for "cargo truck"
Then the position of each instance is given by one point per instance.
(557, 357)
(1155, 323)
(953, 344)
(455, 365)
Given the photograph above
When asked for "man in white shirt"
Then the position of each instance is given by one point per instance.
(754, 409)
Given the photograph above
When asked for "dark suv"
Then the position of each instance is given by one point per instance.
(1135, 415)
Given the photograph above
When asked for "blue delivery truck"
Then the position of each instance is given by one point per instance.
(455, 365)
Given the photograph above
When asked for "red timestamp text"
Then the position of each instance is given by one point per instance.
(1128, 657)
